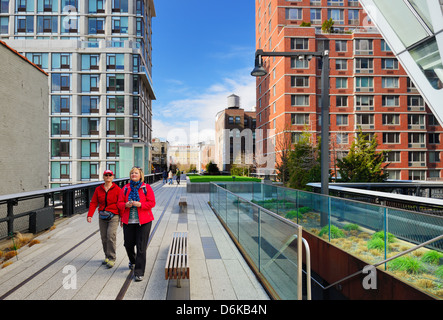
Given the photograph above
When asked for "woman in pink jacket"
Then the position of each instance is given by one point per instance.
(135, 202)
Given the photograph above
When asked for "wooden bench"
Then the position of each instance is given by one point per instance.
(183, 203)
(177, 263)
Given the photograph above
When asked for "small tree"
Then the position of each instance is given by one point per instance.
(327, 25)
(212, 168)
(363, 163)
(284, 146)
(305, 164)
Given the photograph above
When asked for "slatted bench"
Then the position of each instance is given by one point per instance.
(177, 263)
(183, 203)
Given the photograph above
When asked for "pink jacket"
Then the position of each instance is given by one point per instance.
(148, 202)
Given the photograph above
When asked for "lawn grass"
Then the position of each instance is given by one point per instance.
(196, 178)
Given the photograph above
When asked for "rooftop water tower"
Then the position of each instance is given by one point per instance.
(233, 102)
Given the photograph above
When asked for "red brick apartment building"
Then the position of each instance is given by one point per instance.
(369, 89)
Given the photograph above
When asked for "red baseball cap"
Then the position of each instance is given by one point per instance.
(108, 172)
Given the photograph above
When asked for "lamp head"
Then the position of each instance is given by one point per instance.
(259, 71)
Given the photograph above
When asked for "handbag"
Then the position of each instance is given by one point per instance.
(106, 215)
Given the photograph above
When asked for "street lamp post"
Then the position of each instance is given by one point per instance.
(260, 71)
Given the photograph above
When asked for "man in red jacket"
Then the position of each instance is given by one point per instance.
(105, 197)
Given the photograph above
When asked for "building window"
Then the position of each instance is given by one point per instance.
(115, 126)
(342, 138)
(24, 24)
(38, 58)
(341, 45)
(61, 82)
(115, 104)
(390, 101)
(341, 101)
(390, 119)
(90, 82)
(364, 65)
(364, 101)
(61, 61)
(60, 148)
(316, 16)
(90, 61)
(299, 118)
(389, 64)
(391, 137)
(353, 18)
(337, 15)
(115, 61)
(231, 120)
(60, 104)
(115, 82)
(364, 84)
(341, 119)
(341, 64)
(393, 156)
(363, 46)
(434, 156)
(299, 81)
(417, 175)
(299, 44)
(434, 138)
(294, 14)
(96, 6)
(341, 83)
(47, 24)
(90, 104)
(4, 6)
(389, 82)
(384, 46)
(96, 25)
(89, 126)
(299, 100)
(299, 64)
(119, 5)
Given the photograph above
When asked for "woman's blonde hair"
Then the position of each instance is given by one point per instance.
(142, 175)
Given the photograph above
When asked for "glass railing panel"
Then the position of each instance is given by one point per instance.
(279, 255)
(231, 219)
(248, 229)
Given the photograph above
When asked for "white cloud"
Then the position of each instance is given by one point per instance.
(180, 118)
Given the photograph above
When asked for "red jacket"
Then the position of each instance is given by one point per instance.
(104, 200)
(148, 202)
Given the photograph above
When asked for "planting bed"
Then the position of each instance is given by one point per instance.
(422, 268)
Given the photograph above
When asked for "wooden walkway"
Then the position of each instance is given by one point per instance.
(67, 263)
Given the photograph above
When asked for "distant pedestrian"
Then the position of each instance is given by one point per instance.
(135, 203)
(165, 176)
(170, 176)
(105, 198)
(178, 174)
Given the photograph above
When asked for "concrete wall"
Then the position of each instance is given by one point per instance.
(24, 125)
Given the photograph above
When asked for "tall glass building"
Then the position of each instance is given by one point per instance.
(414, 31)
(98, 54)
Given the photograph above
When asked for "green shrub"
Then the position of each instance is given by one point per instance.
(432, 257)
(439, 272)
(376, 243)
(303, 210)
(293, 214)
(351, 226)
(406, 263)
(381, 235)
(335, 232)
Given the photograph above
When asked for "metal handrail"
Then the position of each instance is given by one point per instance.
(387, 260)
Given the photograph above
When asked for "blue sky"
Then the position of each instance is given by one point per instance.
(203, 51)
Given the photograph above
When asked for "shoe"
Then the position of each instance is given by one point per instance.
(110, 263)
(138, 278)
(131, 266)
(105, 261)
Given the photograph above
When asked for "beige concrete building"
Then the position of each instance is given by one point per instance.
(24, 144)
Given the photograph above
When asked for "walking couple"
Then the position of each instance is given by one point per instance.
(131, 207)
